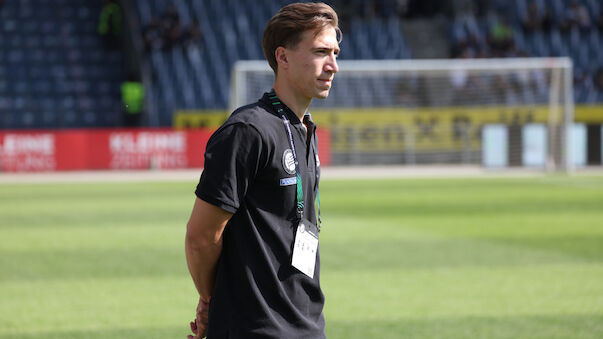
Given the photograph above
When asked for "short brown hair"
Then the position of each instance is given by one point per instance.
(286, 27)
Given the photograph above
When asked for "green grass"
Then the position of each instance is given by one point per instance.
(406, 258)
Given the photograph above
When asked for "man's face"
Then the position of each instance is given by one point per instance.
(312, 64)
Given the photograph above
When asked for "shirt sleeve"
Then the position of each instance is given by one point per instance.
(232, 160)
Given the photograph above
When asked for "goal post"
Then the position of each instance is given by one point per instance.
(439, 111)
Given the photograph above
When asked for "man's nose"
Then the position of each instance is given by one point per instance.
(331, 65)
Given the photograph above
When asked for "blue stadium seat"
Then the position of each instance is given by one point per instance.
(558, 47)
(48, 119)
(595, 44)
(144, 12)
(520, 10)
(594, 7)
(557, 9)
(3, 85)
(46, 61)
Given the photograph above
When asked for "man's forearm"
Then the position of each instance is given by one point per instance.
(202, 259)
(203, 244)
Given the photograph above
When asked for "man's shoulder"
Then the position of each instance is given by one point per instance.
(256, 115)
(253, 121)
(255, 109)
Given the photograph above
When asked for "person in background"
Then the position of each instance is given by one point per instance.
(576, 17)
(171, 27)
(500, 38)
(599, 79)
(599, 20)
(193, 35)
(110, 25)
(132, 94)
(152, 36)
(533, 20)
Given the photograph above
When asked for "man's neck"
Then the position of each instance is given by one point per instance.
(297, 104)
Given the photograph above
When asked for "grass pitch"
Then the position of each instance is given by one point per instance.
(401, 258)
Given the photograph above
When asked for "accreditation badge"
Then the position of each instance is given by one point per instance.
(305, 248)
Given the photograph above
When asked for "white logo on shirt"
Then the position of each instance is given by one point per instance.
(288, 161)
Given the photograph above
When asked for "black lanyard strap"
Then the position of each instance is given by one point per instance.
(276, 103)
(300, 192)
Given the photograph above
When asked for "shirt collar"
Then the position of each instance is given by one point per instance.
(288, 112)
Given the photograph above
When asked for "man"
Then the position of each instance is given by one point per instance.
(252, 238)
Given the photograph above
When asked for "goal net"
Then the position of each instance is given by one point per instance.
(491, 112)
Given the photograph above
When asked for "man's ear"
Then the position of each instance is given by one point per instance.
(281, 57)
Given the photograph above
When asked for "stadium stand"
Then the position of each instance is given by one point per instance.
(372, 30)
(197, 75)
(539, 29)
(55, 71)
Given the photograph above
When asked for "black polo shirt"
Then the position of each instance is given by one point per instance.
(258, 294)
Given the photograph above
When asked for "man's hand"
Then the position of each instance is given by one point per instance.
(199, 326)
(203, 246)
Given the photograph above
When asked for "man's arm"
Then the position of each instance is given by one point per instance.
(203, 245)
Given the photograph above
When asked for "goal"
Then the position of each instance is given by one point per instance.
(490, 112)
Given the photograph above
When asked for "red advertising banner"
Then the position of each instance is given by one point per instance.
(31, 151)
(143, 149)
(324, 145)
(21, 152)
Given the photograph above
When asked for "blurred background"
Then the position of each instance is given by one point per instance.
(76, 64)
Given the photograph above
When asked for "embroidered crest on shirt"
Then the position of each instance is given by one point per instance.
(288, 161)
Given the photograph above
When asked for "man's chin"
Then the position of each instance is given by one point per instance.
(322, 94)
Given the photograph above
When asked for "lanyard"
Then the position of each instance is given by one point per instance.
(300, 192)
